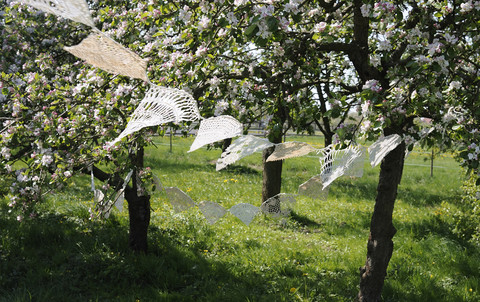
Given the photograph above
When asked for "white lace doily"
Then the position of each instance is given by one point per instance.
(215, 129)
(382, 147)
(212, 211)
(103, 52)
(120, 199)
(241, 147)
(76, 10)
(313, 188)
(356, 167)
(179, 199)
(335, 163)
(289, 150)
(161, 105)
(244, 211)
(277, 205)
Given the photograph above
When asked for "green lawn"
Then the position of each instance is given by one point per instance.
(313, 255)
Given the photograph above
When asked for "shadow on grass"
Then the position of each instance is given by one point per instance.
(435, 245)
(237, 169)
(304, 221)
(55, 257)
(354, 189)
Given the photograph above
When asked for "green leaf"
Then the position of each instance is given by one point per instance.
(189, 42)
(250, 30)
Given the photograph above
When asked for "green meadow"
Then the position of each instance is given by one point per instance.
(312, 255)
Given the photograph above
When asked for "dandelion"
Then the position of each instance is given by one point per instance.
(189, 189)
(293, 289)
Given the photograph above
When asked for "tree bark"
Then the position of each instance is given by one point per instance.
(272, 175)
(380, 244)
(272, 171)
(139, 216)
(138, 206)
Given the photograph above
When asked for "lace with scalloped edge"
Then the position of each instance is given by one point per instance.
(241, 147)
(215, 129)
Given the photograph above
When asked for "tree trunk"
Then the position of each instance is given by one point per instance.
(380, 244)
(272, 172)
(139, 216)
(138, 206)
(272, 175)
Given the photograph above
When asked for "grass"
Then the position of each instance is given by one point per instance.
(313, 255)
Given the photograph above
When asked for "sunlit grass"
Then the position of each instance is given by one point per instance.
(313, 255)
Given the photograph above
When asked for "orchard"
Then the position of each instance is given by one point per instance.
(405, 68)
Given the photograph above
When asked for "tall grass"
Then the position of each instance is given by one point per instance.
(312, 255)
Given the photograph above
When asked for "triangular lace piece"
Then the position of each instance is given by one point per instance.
(356, 168)
(241, 147)
(313, 188)
(103, 52)
(215, 129)
(161, 105)
(157, 183)
(76, 10)
(212, 211)
(179, 199)
(277, 205)
(245, 212)
(119, 201)
(382, 147)
(336, 162)
(289, 150)
(120, 195)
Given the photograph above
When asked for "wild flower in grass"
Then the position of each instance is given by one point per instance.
(293, 289)
(189, 189)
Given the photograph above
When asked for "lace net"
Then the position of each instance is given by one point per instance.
(179, 200)
(103, 52)
(382, 147)
(215, 129)
(336, 163)
(289, 150)
(241, 147)
(314, 188)
(161, 105)
(244, 211)
(212, 211)
(278, 205)
(76, 10)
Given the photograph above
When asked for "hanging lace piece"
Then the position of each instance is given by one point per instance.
(289, 150)
(120, 195)
(119, 202)
(92, 179)
(161, 105)
(382, 147)
(215, 129)
(103, 52)
(76, 10)
(313, 188)
(356, 168)
(157, 183)
(241, 147)
(179, 199)
(212, 211)
(244, 211)
(278, 205)
(102, 205)
(336, 163)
